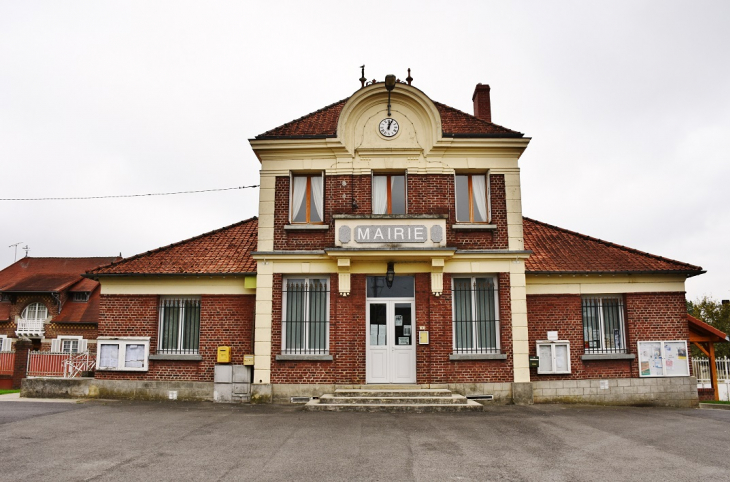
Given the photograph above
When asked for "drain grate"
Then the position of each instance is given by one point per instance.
(480, 397)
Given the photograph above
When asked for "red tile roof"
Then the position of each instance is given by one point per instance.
(223, 251)
(47, 274)
(557, 250)
(323, 123)
(696, 324)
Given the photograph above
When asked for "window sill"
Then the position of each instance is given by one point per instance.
(473, 227)
(477, 356)
(608, 356)
(303, 357)
(166, 356)
(306, 227)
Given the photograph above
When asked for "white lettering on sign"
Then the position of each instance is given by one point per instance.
(391, 234)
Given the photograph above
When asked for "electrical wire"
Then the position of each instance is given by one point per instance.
(126, 195)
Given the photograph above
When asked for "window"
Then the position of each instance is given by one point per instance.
(389, 194)
(476, 320)
(603, 324)
(123, 354)
(35, 312)
(307, 199)
(68, 344)
(472, 198)
(306, 316)
(554, 357)
(179, 326)
(4, 297)
(5, 343)
(81, 296)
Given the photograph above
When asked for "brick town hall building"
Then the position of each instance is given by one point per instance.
(390, 249)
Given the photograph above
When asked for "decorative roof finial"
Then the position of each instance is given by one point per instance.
(362, 76)
(409, 79)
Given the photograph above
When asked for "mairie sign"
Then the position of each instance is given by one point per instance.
(390, 233)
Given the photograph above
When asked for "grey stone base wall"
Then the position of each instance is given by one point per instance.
(663, 392)
(122, 389)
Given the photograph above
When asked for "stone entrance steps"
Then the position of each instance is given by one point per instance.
(373, 399)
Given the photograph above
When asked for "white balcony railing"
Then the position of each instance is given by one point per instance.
(30, 328)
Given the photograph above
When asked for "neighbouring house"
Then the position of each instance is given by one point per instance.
(391, 249)
(46, 303)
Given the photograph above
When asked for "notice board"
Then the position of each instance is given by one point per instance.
(663, 358)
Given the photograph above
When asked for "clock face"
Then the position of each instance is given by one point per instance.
(388, 127)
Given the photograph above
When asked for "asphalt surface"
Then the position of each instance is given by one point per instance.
(205, 441)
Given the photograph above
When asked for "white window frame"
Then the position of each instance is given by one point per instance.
(181, 327)
(552, 370)
(488, 201)
(57, 344)
(36, 318)
(122, 343)
(5, 343)
(601, 325)
(405, 191)
(292, 175)
(475, 349)
(305, 342)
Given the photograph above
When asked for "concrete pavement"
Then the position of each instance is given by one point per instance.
(205, 441)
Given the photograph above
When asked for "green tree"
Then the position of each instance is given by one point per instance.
(715, 313)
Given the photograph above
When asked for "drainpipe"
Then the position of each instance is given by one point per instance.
(57, 297)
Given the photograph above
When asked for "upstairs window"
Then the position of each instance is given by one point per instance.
(69, 344)
(471, 198)
(603, 324)
(307, 199)
(179, 326)
(389, 194)
(35, 312)
(81, 296)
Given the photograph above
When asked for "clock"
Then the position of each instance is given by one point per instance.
(388, 127)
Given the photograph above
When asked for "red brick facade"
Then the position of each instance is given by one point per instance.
(225, 320)
(339, 198)
(648, 316)
(348, 337)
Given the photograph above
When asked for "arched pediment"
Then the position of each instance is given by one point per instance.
(418, 119)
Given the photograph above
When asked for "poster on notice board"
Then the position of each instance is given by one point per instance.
(663, 358)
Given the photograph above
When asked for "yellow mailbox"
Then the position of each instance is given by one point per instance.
(224, 354)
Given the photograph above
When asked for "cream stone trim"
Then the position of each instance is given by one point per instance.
(518, 305)
(437, 276)
(263, 323)
(343, 282)
(605, 284)
(187, 285)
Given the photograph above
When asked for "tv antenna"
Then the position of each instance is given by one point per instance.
(16, 250)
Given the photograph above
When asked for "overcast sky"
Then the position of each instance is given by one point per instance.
(626, 103)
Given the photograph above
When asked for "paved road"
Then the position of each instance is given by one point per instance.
(203, 441)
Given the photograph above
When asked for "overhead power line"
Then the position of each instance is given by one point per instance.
(125, 195)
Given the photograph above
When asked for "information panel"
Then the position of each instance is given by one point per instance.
(663, 358)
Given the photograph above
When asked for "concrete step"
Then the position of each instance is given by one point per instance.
(390, 393)
(398, 400)
(470, 405)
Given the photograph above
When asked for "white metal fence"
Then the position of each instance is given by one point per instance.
(701, 370)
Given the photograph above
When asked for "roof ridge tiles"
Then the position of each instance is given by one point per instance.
(690, 267)
(151, 252)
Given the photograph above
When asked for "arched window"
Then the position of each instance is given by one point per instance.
(35, 312)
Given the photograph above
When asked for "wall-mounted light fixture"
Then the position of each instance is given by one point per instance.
(390, 274)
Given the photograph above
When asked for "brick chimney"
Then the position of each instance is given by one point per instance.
(482, 104)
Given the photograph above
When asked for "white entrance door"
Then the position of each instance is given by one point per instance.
(391, 349)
